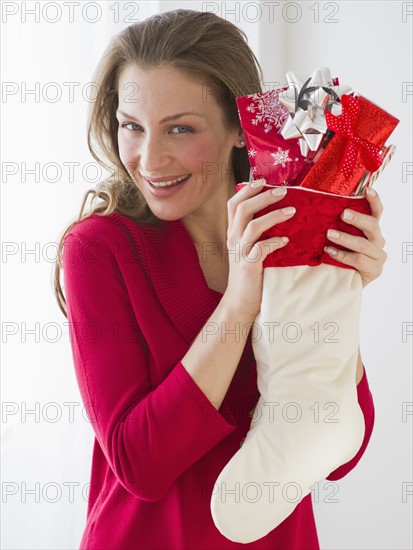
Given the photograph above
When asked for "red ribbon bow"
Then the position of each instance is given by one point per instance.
(345, 125)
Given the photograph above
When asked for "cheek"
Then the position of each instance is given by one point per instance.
(193, 158)
(127, 152)
(198, 155)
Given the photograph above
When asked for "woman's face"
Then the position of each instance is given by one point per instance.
(160, 144)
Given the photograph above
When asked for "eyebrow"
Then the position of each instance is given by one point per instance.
(166, 119)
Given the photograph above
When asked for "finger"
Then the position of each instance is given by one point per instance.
(374, 201)
(257, 226)
(249, 190)
(355, 244)
(361, 262)
(248, 208)
(366, 222)
(261, 249)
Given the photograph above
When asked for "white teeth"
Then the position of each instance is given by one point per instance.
(168, 183)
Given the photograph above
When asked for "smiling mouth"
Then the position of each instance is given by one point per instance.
(169, 183)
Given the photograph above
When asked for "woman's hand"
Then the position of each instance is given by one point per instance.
(245, 252)
(368, 256)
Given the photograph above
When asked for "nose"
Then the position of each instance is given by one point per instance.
(153, 154)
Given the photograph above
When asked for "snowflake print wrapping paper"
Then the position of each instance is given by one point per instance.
(270, 155)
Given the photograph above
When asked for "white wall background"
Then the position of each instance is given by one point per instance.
(46, 440)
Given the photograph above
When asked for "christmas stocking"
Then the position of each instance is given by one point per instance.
(307, 421)
(327, 143)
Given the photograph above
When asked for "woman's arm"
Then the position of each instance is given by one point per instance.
(215, 353)
(149, 435)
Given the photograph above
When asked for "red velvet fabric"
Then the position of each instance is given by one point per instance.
(316, 212)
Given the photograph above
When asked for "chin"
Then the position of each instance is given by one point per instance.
(167, 216)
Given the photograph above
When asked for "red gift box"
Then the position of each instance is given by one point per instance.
(271, 156)
(374, 126)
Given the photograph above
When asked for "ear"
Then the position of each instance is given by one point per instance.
(239, 140)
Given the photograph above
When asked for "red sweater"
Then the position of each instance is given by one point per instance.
(137, 298)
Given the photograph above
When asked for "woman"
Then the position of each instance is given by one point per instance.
(161, 286)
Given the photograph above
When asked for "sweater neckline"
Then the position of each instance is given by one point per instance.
(244, 379)
(191, 246)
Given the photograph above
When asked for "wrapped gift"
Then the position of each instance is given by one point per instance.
(270, 155)
(315, 133)
(360, 132)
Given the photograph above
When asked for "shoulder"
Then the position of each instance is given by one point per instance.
(98, 227)
(115, 233)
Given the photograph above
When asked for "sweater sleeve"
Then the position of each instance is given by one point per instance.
(149, 436)
(366, 403)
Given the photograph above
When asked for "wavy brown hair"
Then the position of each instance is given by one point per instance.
(203, 46)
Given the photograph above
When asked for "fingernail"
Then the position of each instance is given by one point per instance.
(371, 192)
(283, 240)
(279, 191)
(330, 250)
(257, 183)
(288, 211)
(347, 215)
(333, 234)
